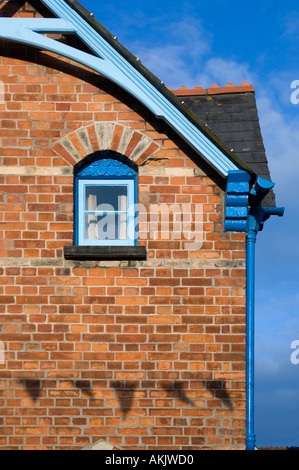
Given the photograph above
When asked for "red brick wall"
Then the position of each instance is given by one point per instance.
(144, 354)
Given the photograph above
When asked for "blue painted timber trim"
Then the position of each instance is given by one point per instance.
(116, 68)
(236, 206)
(76, 211)
(41, 25)
(250, 307)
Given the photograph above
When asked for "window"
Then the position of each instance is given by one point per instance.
(105, 202)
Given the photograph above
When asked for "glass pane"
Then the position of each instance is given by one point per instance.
(108, 226)
(105, 198)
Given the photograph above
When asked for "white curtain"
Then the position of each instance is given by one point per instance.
(91, 218)
(122, 219)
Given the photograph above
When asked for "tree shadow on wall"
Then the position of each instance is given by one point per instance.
(124, 392)
(216, 387)
(85, 387)
(33, 387)
(177, 390)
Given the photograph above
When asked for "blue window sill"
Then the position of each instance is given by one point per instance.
(105, 253)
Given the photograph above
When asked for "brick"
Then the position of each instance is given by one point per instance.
(110, 349)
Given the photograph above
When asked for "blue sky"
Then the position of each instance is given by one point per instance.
(201, 43)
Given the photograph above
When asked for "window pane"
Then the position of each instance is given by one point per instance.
(107, 226)
(106, 210)
(106, 198)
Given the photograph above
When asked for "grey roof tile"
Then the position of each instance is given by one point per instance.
(233, 117)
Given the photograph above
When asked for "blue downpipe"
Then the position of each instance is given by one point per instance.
(250, 299)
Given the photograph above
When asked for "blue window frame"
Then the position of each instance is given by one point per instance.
(105, 203)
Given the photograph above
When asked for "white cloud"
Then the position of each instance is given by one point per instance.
(184, 64)
(184, 57)
(177, 60)
(166, 63)
(223, 71)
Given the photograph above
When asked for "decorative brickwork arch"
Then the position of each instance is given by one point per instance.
(135, 145)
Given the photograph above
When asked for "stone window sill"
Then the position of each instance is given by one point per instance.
(105, 253)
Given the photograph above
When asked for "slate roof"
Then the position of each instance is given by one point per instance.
(231, 113)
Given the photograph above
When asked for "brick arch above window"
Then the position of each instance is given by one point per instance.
(135, 145)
